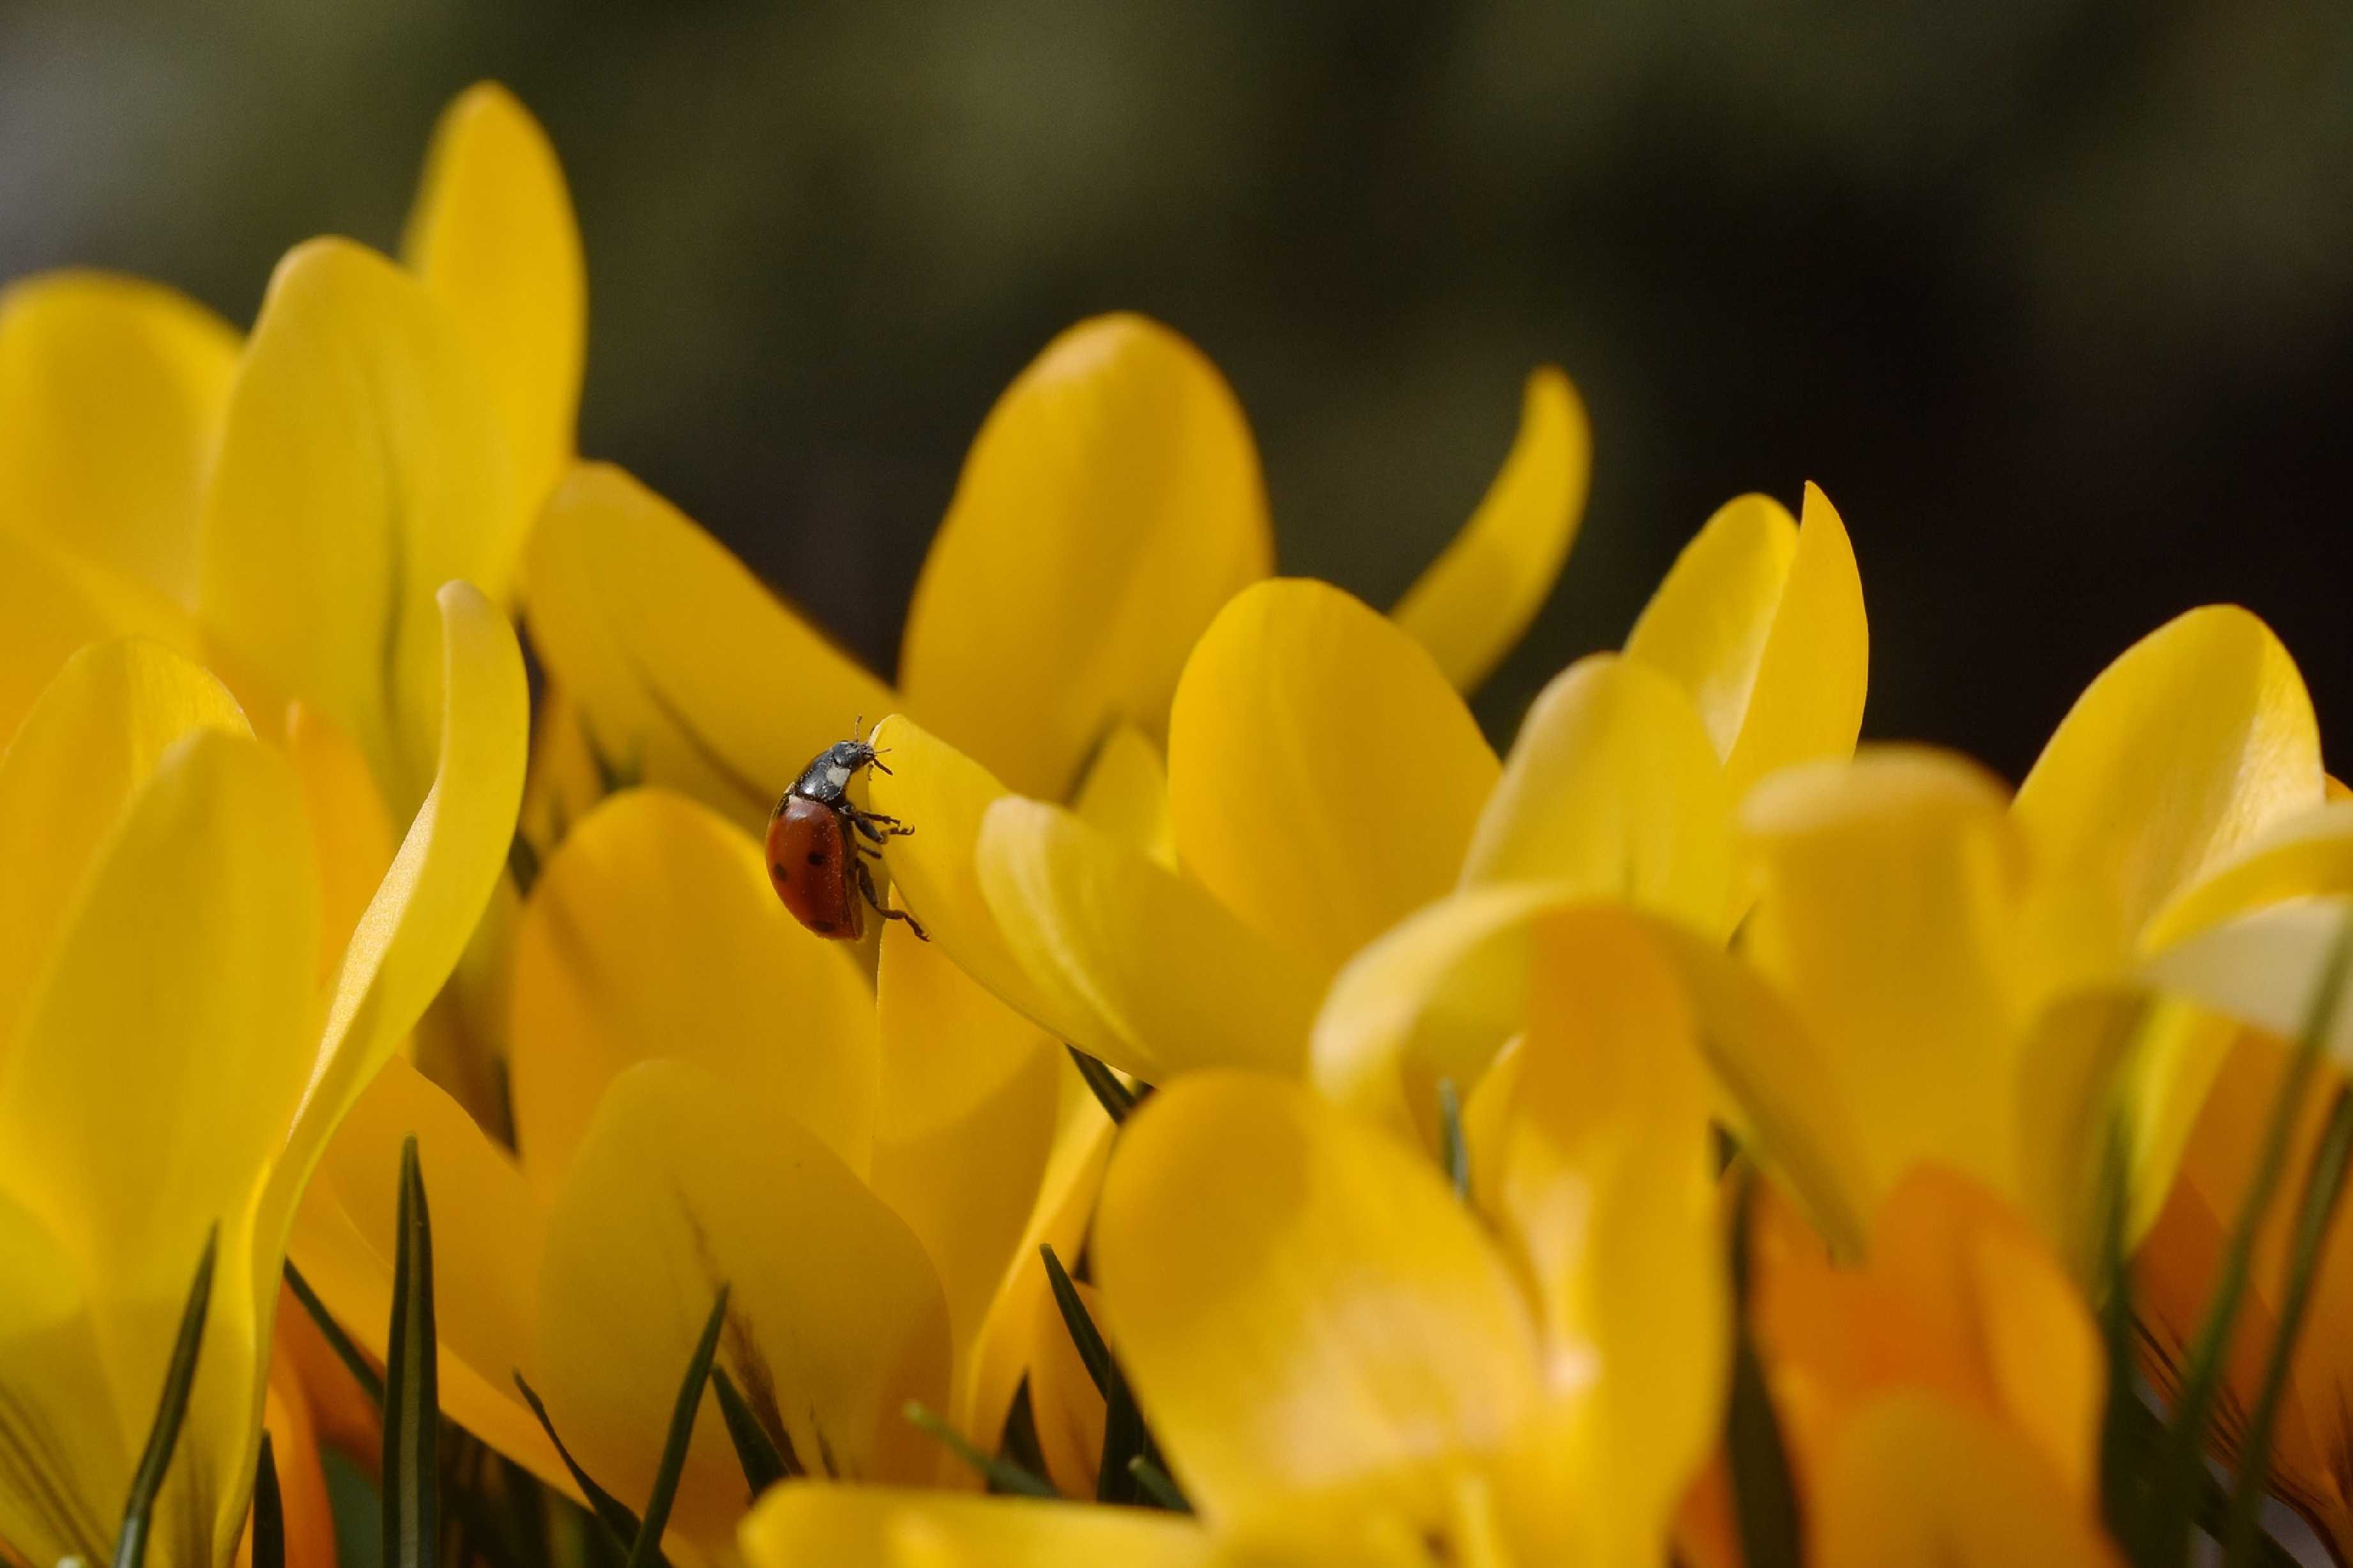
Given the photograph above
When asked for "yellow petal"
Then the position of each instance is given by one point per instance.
(1109, 506)
(969, 1087)
(52, 603)
(2307, 853)
(136, 1114)
(145, 1111)
(359, 470)
(1473, 602)
(1611, 792)
(1603, 1177)
(1708, 624)
(834, 1322)
(1436, 997)
(1126, 794)
(1915, 1480)
(1766, 632)
(1065, 1408)
(350, 832)
(1323, 776)
(1891, 915)
(1311, 1320)
(1440, 997)
(1136, 965)
(683, 669)
(2180, 1262)
(427, 906)
(800, 1524)
(1007, 1345)
(111, 391)
(652, 932)
(944, 796)
(69, 1461)
(1807, 702)
(489, 1232)
(2194, 740)
(2268, 968)
(85, 751)
(493, 237)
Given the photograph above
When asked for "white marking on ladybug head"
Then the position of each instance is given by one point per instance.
(837, 776)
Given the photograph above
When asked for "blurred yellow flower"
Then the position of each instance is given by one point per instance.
(1949, 1389)
(183, 1018)
(288, 506)
(1344, 1364)
(1929, 971)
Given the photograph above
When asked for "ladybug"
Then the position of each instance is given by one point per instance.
(819, 842)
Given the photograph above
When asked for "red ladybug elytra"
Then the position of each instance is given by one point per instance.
(819, 843)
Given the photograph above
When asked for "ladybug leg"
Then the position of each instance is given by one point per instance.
(866, 886)
(873, 824)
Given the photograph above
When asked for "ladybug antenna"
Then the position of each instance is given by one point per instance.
(856, 725)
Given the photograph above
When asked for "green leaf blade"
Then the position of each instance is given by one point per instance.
(412, 1405)
(171, 1411)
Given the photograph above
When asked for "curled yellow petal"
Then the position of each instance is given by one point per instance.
(834, 1317)
(682, 669)
(359, 470)
(1324, 779)
(1309, 1319)
(111, 394)
(1473, 602)
(1611, 792)
(652, 932)
(1137, 965)
(886, 1528)
(493, 237)
(1109, 506)
(2194, 740)
(424, 910)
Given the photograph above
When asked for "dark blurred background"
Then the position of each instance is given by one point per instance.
(2055, 300)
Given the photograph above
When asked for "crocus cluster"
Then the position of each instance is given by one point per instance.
(1298, 1133)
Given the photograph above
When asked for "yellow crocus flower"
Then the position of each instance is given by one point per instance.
(159, 477)
(1343, 1362)
(1929, 971)
(174, 1053)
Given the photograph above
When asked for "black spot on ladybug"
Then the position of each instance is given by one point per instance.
(817, 856)
(824, 926)
(779, 868)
